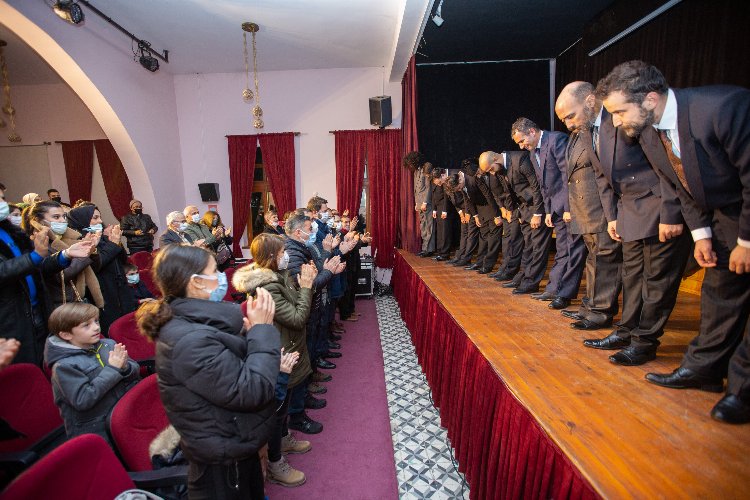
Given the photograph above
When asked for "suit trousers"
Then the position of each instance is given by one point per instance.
(441, 235)
(425, 229)
(460, 253)
(472, 239)
(721, 343)
(558, 275)
(603, 277)
(651, 274)
(536, 249)
(512, 247)
(489, 235)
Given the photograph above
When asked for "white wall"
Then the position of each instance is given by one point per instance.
(312, 102)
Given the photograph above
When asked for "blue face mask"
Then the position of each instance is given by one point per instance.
(94, 228)
(310, 241)
(133, 279)
(218, 293)
(58, 227)
(4, 210)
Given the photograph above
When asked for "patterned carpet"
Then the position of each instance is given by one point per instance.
(424, 461)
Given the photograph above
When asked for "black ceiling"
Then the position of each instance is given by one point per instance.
(496, 30)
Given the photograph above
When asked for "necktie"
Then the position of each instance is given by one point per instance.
(595, 139)
(676, 162)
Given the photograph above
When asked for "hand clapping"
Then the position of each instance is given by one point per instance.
(260, 311)
(118, 357)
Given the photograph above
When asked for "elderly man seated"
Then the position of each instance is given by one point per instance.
(175, 232)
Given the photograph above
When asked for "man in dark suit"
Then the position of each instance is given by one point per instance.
(175, 233)
(454, 190)
(523, 197)
(483, 210)
(652, 269)
(441, 231)
(577, 108)
(547, 153)
(699, 140)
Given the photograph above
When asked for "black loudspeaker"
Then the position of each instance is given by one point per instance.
(380, 111)
(209, 191)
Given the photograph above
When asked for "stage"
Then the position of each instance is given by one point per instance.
(532, 413)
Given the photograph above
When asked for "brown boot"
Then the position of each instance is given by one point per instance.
(290, 444)
(284, 474)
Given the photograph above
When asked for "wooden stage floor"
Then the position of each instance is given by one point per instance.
(629, 438)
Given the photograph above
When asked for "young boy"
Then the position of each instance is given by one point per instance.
(89, 374)
(139, 290)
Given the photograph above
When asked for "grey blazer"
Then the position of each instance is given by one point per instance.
(422, 191)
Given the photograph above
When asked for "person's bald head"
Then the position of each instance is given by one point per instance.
(192, 213)
(486, 160)
(576, 106)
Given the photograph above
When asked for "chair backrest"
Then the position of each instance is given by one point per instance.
(125, 330)
(230, 289)
(84, 468)
(137, 418)
(27, 404)
(142, 259)
(149, 282)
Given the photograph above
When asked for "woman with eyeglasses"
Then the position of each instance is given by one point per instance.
(217, 371)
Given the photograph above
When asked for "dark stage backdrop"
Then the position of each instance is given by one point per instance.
(697, 42)
(465, 109)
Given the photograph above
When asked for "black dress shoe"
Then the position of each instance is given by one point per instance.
(451, 262)
(503, 276)
(608, 343)
(315, 403)
(571, 314)
(632, 356)
(512, 284)
(472, 267)
(525, 290)
(301, 422)
(545, 296)
(440, 258)
(330, 355)
(334, 336)
(685, 378)
(732, 410)
(486, 270)
(584, 324)
(460, 263)
(334, 345)
(559, 303)
(326, 365)
(427, 254)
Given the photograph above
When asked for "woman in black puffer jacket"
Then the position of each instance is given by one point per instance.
(217, 372)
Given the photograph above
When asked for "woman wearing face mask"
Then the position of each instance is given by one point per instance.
(215, 366)
(210, 226)
(118, 300)
(14, 215)
(293, 298)
(78, 278)
(24, 305)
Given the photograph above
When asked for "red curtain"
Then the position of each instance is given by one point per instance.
(116, 181)
(350, 169)
(278, 161)
(408, 226)
(384, 168)
(499, 445)
(79, 168)
(242, 150)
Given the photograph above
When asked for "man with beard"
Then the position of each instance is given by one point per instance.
(483, 210)
(578, 109)
(699, 140)
(420, 169)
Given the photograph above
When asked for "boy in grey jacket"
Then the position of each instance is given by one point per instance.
(89, 374)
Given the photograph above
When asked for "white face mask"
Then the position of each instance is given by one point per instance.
(15, 220)
(196, 218)
(182, 227)
(314, 227)
(283, 262)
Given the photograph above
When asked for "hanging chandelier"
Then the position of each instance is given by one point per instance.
(8, 108)
(247, 94)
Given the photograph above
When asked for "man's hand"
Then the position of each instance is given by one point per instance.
(739, 260)
(199, 243)
(535, 222)
(567, 217)
(340, 268)
(548, 220)
(139, 232)
(328, 243)
(260, 311)
(504, 213)
(498, 221)
(115, 235)
(151, 231)
(476, 221)
(337, 241)
(443, 215)
(612, 230)
(423, 208)
(669, 231)
(8, 350)
(508, 215)
(41, 241)
(704, 253)
(118, 357)
(332, 263)
(288, 360)
(434, 214)
(307, 275)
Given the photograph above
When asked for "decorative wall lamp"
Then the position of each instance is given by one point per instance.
(8, 108)
(247, 94)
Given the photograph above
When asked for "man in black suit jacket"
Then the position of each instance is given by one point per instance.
(577, 108)
(483, 211)
(441, 231)
(652, 269)
(454, 190)
(699, 139)
(522, 196)
(175, 233)
(547, 153)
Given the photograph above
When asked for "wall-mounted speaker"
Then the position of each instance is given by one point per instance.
(209, 191)
(380, 111)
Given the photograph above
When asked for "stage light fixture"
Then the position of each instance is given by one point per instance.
(69, 11)
(146, 58)
(438, 17)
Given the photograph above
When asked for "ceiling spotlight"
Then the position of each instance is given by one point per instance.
(146, 58)
(69, 11)
(437, 18)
